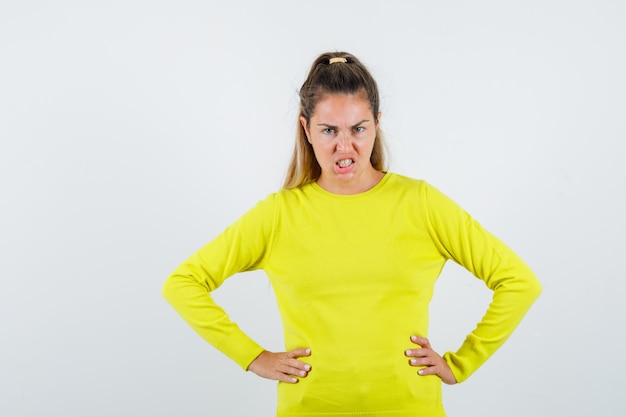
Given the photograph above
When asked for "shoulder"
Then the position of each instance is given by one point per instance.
(276, 202)
(404, 181)
(263, 211)
(419, 192)
(404, 184)
(296, 194)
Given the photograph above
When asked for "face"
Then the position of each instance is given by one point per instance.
(342, 132)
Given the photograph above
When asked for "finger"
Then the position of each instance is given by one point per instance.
(279, 376)
(442, 370)
(298, 365)
(299, 353)
(285, 373)
(422, 341)
(294, 367)
(430, 370)
(291, 370)
(428, 361)
(419, 353)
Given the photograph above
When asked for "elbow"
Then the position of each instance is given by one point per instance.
(180, 286)
(525, 287)
(530, 287)
(165, 289)
(168, 289)
(536, 288)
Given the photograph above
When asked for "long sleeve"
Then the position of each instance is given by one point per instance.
(241, 247)
(347, 271)
(515, 287)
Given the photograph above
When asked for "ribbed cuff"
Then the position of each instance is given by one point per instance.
(240, 348)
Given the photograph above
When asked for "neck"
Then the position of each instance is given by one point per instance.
(351, 187)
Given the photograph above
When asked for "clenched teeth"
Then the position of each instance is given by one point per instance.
(345, 163)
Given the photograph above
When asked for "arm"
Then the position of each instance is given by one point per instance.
(514, 285)
(241, 247)
(244, 246)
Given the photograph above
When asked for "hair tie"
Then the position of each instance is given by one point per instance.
(336, 60)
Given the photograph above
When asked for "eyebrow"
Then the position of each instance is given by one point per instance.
(335, 127)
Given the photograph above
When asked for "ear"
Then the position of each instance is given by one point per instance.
(380, 114)
(305, 126)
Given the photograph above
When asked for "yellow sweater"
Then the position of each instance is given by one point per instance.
(353, 277)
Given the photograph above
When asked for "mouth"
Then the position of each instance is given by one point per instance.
(344, 163)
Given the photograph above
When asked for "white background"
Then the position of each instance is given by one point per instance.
(132, 132)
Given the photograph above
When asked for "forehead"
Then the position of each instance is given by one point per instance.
(342, 108)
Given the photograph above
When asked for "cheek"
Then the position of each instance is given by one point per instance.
(367, 145)
(319, 148)
(321, 144)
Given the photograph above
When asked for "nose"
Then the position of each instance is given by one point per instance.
(344, 141)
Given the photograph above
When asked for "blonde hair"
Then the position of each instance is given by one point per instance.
(345, 75)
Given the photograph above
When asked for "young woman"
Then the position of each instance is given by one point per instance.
(353, 253)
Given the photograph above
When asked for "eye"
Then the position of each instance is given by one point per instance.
(328, 131)
(359, 129)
